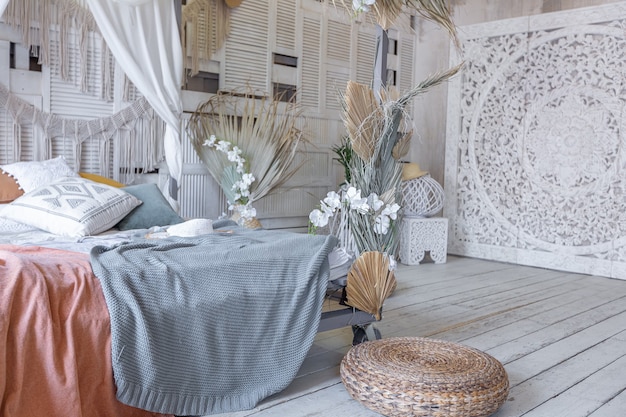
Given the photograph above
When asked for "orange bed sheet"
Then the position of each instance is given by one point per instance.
(55, 347)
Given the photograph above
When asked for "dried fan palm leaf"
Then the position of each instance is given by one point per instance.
(387, 11)
(264, 129)
(370, 282)
(438, 12)
(361, 113)
(403, 146)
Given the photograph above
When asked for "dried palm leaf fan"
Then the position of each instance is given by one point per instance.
(370, 282)
(264, 128)
(361, 115)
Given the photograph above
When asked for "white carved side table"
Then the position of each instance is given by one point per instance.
(419, 235)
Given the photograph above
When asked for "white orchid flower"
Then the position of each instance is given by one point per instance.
(247, 178)
(354, 200)
(223, 146)
(248, 212)
(325, 208)
(233, 155)
(391, 211)
(381, 224)
(318, 218)
(360, 6)
(332, 200)
(210, 142)
(374, 202)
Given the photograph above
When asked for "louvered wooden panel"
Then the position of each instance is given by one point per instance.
(336, 82)
(407, 48)
(291, 203)
(324, 130)
(6, 150)
(66, 100)
(86, 73)
(311, 45)
(28, 135)
(365, 58)
(286, 24)
(200, 196)
(314, 170)
(247, 47)
(316, 130)
(338, 41)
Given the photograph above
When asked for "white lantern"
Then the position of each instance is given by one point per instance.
(421, 197)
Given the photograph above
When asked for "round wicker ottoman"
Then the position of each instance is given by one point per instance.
(414, 376)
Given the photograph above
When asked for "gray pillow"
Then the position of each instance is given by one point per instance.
(155, 210)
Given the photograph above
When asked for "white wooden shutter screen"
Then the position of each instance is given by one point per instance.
(330, 49)
(247, 47)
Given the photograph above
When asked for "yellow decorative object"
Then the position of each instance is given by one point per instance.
(101, 179)
(411, 171)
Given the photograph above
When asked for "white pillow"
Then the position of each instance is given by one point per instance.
(72, 206)
(34, 174)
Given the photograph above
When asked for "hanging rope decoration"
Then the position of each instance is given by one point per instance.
(136, 126)
(65, 25)
(207, 23)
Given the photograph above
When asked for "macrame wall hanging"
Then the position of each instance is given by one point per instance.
(62, 25)
(131, 129)
(206, 24)
(62, 29)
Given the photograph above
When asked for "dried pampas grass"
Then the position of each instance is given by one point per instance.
(370, 282)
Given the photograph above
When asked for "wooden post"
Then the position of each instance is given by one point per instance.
(380, 62)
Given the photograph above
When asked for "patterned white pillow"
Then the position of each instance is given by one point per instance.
(72, 207)
(34, 174)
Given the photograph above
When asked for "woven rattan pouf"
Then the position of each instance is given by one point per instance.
(414, 376)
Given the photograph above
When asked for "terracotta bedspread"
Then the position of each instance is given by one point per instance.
(55, 347)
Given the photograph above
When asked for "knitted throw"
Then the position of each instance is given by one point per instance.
(212, 324)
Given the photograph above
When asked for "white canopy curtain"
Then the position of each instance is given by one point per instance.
(3, 6)
(143, 37)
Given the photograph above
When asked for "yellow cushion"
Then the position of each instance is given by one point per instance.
(101, 179)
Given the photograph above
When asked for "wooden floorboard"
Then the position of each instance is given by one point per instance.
(560, 336)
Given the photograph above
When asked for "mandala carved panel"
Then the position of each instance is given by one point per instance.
(536, 142)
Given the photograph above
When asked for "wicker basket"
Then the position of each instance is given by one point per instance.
(412, 376)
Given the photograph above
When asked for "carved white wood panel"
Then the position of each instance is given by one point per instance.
(536, 148)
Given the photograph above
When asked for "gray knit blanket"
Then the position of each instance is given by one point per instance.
(211, 324)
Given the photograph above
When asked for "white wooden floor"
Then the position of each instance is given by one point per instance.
(560, 336)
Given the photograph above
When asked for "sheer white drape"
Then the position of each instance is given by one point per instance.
(3, 6)
(144, 39)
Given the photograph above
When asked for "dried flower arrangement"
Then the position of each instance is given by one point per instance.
(248, 142)
(379, 133)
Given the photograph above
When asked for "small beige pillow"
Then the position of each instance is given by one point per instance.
(9, 189)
